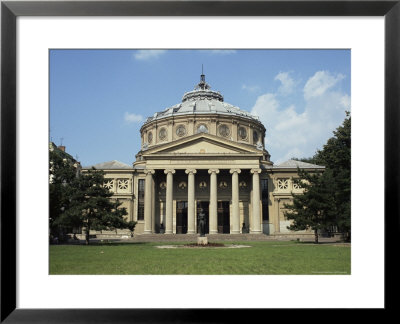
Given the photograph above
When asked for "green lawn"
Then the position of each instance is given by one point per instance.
(144, 258)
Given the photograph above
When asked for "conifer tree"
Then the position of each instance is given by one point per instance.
(336, 156)
(326, 201)
(61, 174)
(90, 205)
(312, 208)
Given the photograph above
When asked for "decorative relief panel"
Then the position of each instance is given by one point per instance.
(123, 184)
(149, 137)
(202, 128)
(181, 131)
(283, 184)
(296, 185)
(162, 134)
(242, 133)
(109, 184)
(223, 130)
(255, 137)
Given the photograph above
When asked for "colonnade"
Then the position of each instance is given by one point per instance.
(255, 225)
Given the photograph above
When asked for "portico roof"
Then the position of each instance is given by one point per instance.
(110, 165)
(293, 164)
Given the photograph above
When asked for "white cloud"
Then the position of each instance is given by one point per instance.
(319, 83)
(133, 118)
(287, 83)
(148, 54)
(250, 88)
(299, 134)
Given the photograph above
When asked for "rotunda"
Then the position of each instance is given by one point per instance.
(204, 155)
(203, 110)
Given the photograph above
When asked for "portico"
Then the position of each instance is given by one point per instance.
(208, 192)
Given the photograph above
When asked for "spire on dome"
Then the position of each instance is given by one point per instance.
(203, 85)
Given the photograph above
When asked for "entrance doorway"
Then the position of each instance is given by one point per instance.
(181, 217)
(202, 205)
(223, 217)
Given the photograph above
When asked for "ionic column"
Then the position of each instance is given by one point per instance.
(191, 204)
(147, 201)
(168, 198)
(235, 201)
(213, 201)
(256, 222)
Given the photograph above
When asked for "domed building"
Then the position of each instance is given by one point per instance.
(204, 154)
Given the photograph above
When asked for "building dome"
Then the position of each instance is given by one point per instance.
(202, 100)
(202, 110)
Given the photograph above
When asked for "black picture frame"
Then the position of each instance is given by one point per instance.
(10, 10)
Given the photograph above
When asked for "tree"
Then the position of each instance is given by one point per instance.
(312, 208)
(61, 174)
(336, 156)
(90, 205)
(326, 201)
(131, 226)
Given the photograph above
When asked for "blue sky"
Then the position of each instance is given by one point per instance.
(100, 98)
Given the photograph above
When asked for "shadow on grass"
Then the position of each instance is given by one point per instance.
(102, 243)
(320, 243)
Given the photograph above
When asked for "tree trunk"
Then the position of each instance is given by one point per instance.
(316, 236)
(87, 235)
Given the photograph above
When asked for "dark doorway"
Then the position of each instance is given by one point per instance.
(223, 217)
(181, 217)
(203, 205)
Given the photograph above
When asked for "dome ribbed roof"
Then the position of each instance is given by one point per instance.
(202, 100)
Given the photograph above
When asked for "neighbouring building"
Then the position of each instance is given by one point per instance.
(204, 153)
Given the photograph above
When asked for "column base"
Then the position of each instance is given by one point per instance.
(169, 232)
(235, 232)
(255, 232)
(213, 232)
(147, 232)
(191, 232)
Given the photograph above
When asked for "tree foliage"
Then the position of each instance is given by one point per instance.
(90, 205)
(326, 200)
(61, 174)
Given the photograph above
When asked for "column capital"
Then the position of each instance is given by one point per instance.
(193, 171)
(216, 171)
(256, 170)
(166, 171)
(235, 170)
(149, 171)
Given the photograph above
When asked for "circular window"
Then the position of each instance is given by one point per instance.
(242, 132)
(255, 137)
(162, 134)
(224, 131)
(180, 130)
(202, 129)
(149, 137)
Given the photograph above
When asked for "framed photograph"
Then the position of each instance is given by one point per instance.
(33, 32)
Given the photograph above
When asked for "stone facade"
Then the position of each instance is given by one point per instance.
(204, 154)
